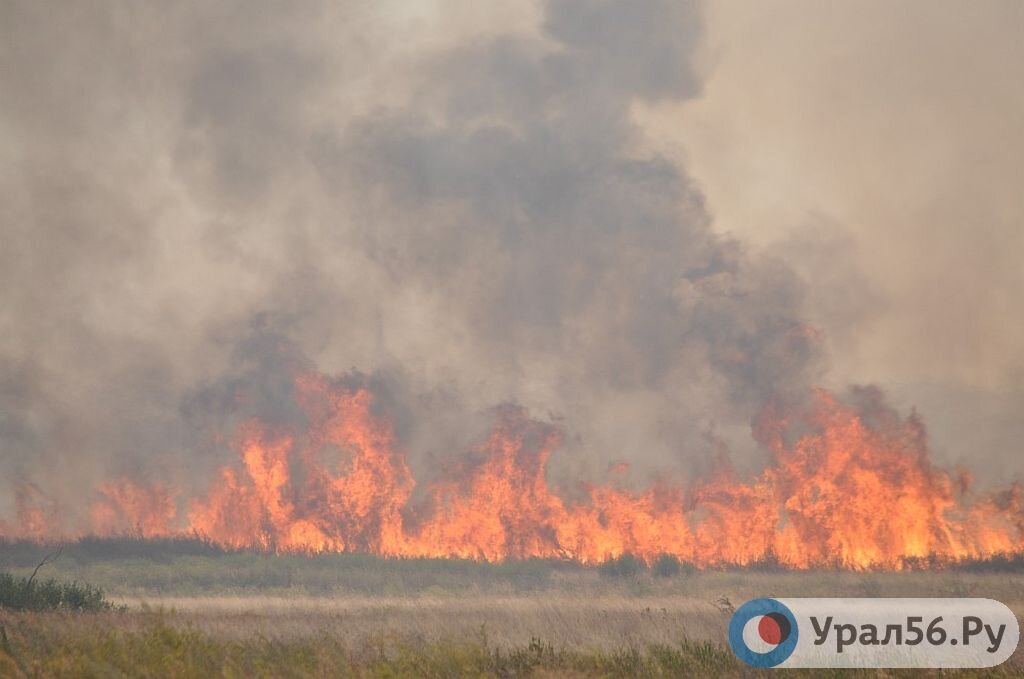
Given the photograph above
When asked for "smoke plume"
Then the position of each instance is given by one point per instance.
(464, 213)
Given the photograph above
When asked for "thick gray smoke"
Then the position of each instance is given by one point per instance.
(200, 199)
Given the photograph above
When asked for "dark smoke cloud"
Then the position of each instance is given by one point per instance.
(523, 203)
(205, 199)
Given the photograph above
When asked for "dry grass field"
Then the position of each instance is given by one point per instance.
(191, 614)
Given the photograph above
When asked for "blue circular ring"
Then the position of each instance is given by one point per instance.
(743, 615)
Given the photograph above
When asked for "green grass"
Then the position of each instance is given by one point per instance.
(164, 648)
(23, 594)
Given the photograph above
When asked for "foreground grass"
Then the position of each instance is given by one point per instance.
(238, 614)
(39, 645)
(163, 650)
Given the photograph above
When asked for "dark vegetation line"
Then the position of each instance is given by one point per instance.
(21, 554)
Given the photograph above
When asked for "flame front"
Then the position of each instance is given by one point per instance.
(843, 493)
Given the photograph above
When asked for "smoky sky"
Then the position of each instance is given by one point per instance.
(876, 149)
(198, 201)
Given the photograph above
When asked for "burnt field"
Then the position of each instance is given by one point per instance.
(185, 607)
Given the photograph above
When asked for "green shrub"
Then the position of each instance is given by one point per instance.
(23, 594)
(666, 566)
(625, 566)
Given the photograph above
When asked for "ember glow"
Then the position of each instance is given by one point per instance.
(844, 492)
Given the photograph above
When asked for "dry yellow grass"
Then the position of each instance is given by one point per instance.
(579, 612)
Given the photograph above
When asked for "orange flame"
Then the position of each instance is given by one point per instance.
(36, 517)
(841, 493)
(131, 508)
(355, 508)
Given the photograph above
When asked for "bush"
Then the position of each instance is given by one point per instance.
(21, 594)
(624, 566)
(667, 566)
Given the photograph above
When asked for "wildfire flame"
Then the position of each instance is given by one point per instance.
(841, 493)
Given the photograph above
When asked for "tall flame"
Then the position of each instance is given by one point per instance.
(843, 492)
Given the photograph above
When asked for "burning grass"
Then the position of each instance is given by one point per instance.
(848, 487)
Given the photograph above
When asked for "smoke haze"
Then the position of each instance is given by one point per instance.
(560, 206)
